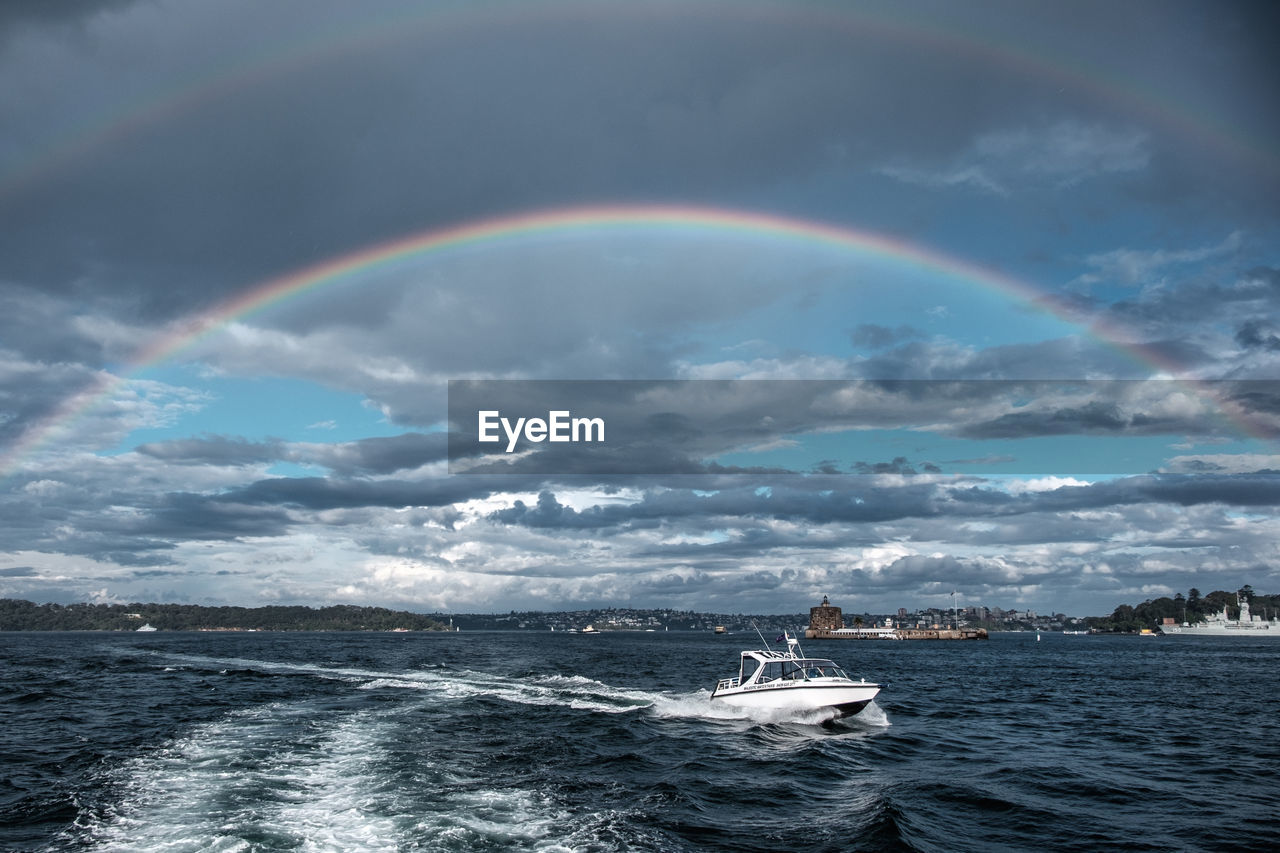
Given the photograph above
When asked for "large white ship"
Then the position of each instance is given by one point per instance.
(1220, 625)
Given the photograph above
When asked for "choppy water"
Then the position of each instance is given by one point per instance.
(554, 742)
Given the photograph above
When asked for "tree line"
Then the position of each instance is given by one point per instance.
(18, 615)
(1192, 607)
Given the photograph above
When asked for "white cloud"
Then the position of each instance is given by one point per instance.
(957, 176)
(1041, 484)
(1141, 266)
(1058, 155)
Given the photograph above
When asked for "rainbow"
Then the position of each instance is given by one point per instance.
(578, 221)
(549, 223)
(115, 123)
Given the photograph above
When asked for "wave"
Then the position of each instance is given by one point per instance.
(287, 776)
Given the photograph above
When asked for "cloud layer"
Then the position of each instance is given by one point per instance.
(157, 160)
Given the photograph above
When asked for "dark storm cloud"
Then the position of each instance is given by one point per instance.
(854, 503)
(1260, 398)
(122, 548)
(18, 572)
(185, 517)
(1257, 334)
(18, 14)
(866, 504)
(1091, 419)
(145, 534)
(377, 455)
(46, 329)
(1188, 302)
(899, 465)
(214, 450)
(444, 123)
(32, 392)
(1060, 358)
(384, 455)
(317, 493)
(548, 512)
(1247, 490)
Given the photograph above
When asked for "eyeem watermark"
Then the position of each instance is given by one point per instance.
(823, 427)
(558, 426)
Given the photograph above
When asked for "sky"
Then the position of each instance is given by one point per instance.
(1027, 258)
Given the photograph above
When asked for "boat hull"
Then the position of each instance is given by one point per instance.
(1254, 630)
(845, 699)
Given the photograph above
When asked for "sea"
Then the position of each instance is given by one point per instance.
(517, 741)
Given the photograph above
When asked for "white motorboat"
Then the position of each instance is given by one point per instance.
(790, 681)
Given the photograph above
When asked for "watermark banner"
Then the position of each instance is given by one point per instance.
(906, 427)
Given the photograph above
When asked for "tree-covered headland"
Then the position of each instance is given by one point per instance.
(1192, 607)
(16, 615)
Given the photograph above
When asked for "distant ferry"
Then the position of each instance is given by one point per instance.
(1220, 625)
(148, 627)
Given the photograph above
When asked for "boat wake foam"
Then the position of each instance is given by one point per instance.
(571, 691)
(293, 776)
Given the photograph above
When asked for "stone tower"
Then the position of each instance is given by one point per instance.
(825, 617)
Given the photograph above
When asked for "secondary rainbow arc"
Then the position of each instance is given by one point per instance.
(114, 123)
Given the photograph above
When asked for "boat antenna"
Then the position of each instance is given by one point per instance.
(762, 639)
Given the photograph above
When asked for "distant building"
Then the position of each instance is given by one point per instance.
(824, 616)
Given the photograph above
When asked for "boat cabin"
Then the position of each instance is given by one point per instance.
(763, 667)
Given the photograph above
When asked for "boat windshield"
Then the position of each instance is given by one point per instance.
(801, 669)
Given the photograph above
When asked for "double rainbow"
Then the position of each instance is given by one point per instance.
(420, 247)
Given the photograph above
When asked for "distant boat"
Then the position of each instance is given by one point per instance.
(590, 629)
(148, 627)
(720, 629)
(1220, 625)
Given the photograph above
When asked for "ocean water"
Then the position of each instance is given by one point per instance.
(557, 742)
